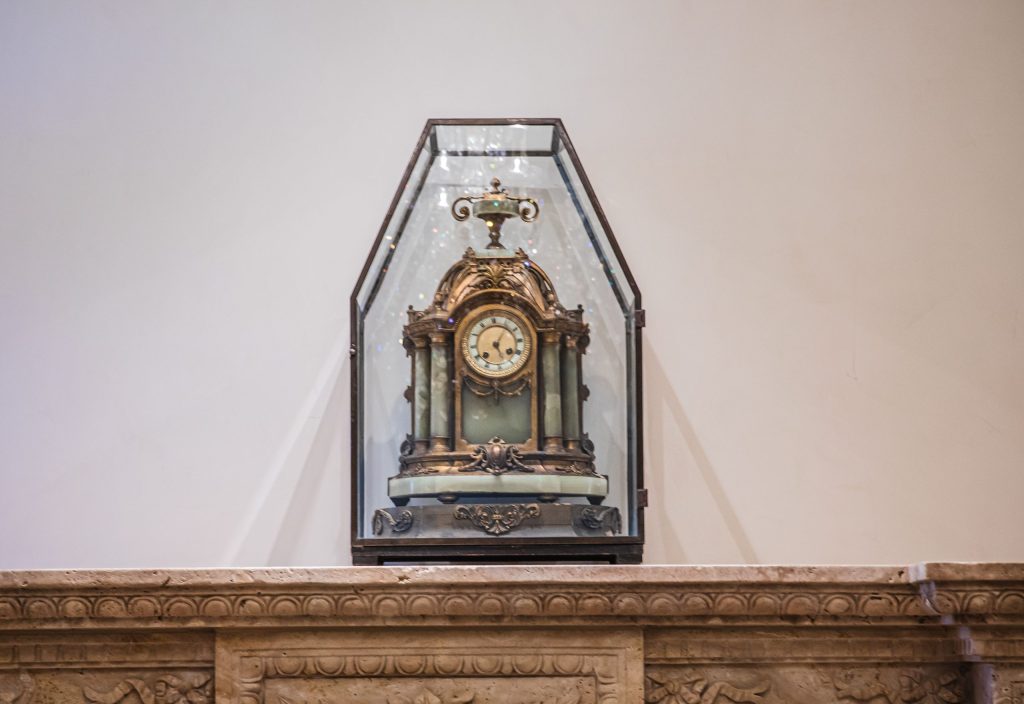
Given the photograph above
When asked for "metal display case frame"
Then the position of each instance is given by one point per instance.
(616, 549)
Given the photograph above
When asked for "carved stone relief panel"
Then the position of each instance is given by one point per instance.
(89, 686)
(1012, 693)
(433, 690)
(1001, 683)
(96, 668)
(829, 684)
(482, 666)
(795, 645)
(17, 687)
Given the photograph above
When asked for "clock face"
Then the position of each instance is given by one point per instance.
(496, 344)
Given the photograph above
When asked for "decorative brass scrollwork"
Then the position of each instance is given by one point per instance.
(497, 519)
(495, 388)
(605, 518)
(496, 457)
(494, 207)
(398, 525)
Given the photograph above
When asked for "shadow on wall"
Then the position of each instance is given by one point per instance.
(664, 411)
(299, 515)
(291, 515)
(322, 460)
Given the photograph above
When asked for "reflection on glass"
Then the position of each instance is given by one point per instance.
(422, 241)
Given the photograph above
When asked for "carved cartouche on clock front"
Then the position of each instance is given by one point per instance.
(497, 393)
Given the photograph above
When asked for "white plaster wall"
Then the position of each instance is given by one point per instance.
(822, 202)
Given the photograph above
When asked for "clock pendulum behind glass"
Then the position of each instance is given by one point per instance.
(497, 400)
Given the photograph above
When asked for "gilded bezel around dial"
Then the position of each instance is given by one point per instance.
(498, 315)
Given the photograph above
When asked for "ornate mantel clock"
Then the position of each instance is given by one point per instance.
(496, 402)
(496, 327)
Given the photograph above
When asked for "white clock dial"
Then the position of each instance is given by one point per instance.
(496, 344)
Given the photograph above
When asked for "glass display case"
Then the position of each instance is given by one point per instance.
(496, 360)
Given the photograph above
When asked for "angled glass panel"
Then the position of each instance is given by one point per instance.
(421, 243)
(494, 139)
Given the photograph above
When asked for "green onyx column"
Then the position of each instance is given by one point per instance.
(550, 366)
(570, 393)
(440, 393)
(421, 394)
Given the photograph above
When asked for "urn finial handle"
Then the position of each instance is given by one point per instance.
(494, 207)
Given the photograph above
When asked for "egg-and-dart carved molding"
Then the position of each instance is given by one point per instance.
(369, 603)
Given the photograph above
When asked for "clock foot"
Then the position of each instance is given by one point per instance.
(547, 498)
(447, 498)
(400, 501)
(595, 500)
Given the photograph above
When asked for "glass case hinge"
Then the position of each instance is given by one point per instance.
(352, 352)
(640, 318)
(641, 498)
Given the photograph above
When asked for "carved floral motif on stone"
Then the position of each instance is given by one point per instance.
(795, 684)
(165, 689)
(689, 686)
(16, 689)
(1003, 682)
(1016, 694)
(425, 696)
(909, 685)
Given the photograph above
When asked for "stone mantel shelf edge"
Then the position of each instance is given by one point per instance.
(930, 633)
(938, 593)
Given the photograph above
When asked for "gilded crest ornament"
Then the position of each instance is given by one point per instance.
(497, 519)
(496, 457)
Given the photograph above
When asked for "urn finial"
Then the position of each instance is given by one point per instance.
(494, 207)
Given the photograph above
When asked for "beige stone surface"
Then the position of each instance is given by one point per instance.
(106, 668)
(482, 574)
(515, 635)
(517, 666)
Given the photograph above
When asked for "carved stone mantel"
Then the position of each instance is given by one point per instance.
(926, 633)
